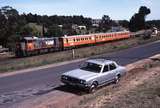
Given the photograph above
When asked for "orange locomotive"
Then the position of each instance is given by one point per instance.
(33, 45)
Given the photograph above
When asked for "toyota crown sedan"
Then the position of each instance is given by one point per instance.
(94, 73)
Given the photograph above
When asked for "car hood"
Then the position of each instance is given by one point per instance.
(81, 74)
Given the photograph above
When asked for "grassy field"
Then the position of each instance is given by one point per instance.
(11, 63)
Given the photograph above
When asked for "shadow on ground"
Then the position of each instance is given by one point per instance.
(71, 89)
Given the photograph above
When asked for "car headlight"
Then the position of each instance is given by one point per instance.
(64, 77)
(82, 81)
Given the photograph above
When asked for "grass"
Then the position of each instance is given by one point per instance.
(11, 64)
(146, 95)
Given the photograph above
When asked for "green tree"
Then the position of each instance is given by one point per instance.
(137, 22)
(54, 31)
(9, 25)
(105, 23)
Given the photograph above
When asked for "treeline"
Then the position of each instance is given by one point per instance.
(153, 23)
(14, 25)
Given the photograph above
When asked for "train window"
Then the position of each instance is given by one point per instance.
(90, 38)
(74, 40)
(67, 40)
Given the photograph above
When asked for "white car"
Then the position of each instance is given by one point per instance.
(94, 73)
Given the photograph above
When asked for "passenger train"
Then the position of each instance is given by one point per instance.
(34, 46)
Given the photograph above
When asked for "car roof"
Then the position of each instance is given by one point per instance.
(100, 61)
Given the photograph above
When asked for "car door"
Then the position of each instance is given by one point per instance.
(106, 75)
(113, 71)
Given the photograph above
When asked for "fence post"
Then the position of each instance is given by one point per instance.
(73, 53)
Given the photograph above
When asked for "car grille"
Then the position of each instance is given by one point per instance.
(74, 80)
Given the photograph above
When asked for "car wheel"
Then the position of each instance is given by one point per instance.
(93, 88)
(117, 79)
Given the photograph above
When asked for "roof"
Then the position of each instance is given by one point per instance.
(88, 35)
(37, 38)
(100, 61)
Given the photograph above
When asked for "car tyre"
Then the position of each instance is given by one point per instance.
(93, 88)
(117, 79)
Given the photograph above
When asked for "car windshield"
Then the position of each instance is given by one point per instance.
(91, 67)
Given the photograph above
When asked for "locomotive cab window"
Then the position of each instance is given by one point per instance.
(66, 40)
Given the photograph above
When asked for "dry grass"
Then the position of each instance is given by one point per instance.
(146, 95)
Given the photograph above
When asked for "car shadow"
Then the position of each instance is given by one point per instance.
(71, 89)
(79, 91)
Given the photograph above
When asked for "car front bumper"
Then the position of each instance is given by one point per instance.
(84, 86)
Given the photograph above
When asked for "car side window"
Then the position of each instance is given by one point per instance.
(106, 69)
(112, 66)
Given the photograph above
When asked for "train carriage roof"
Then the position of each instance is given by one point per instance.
(87, 35)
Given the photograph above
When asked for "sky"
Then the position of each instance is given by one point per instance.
(116, 9)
